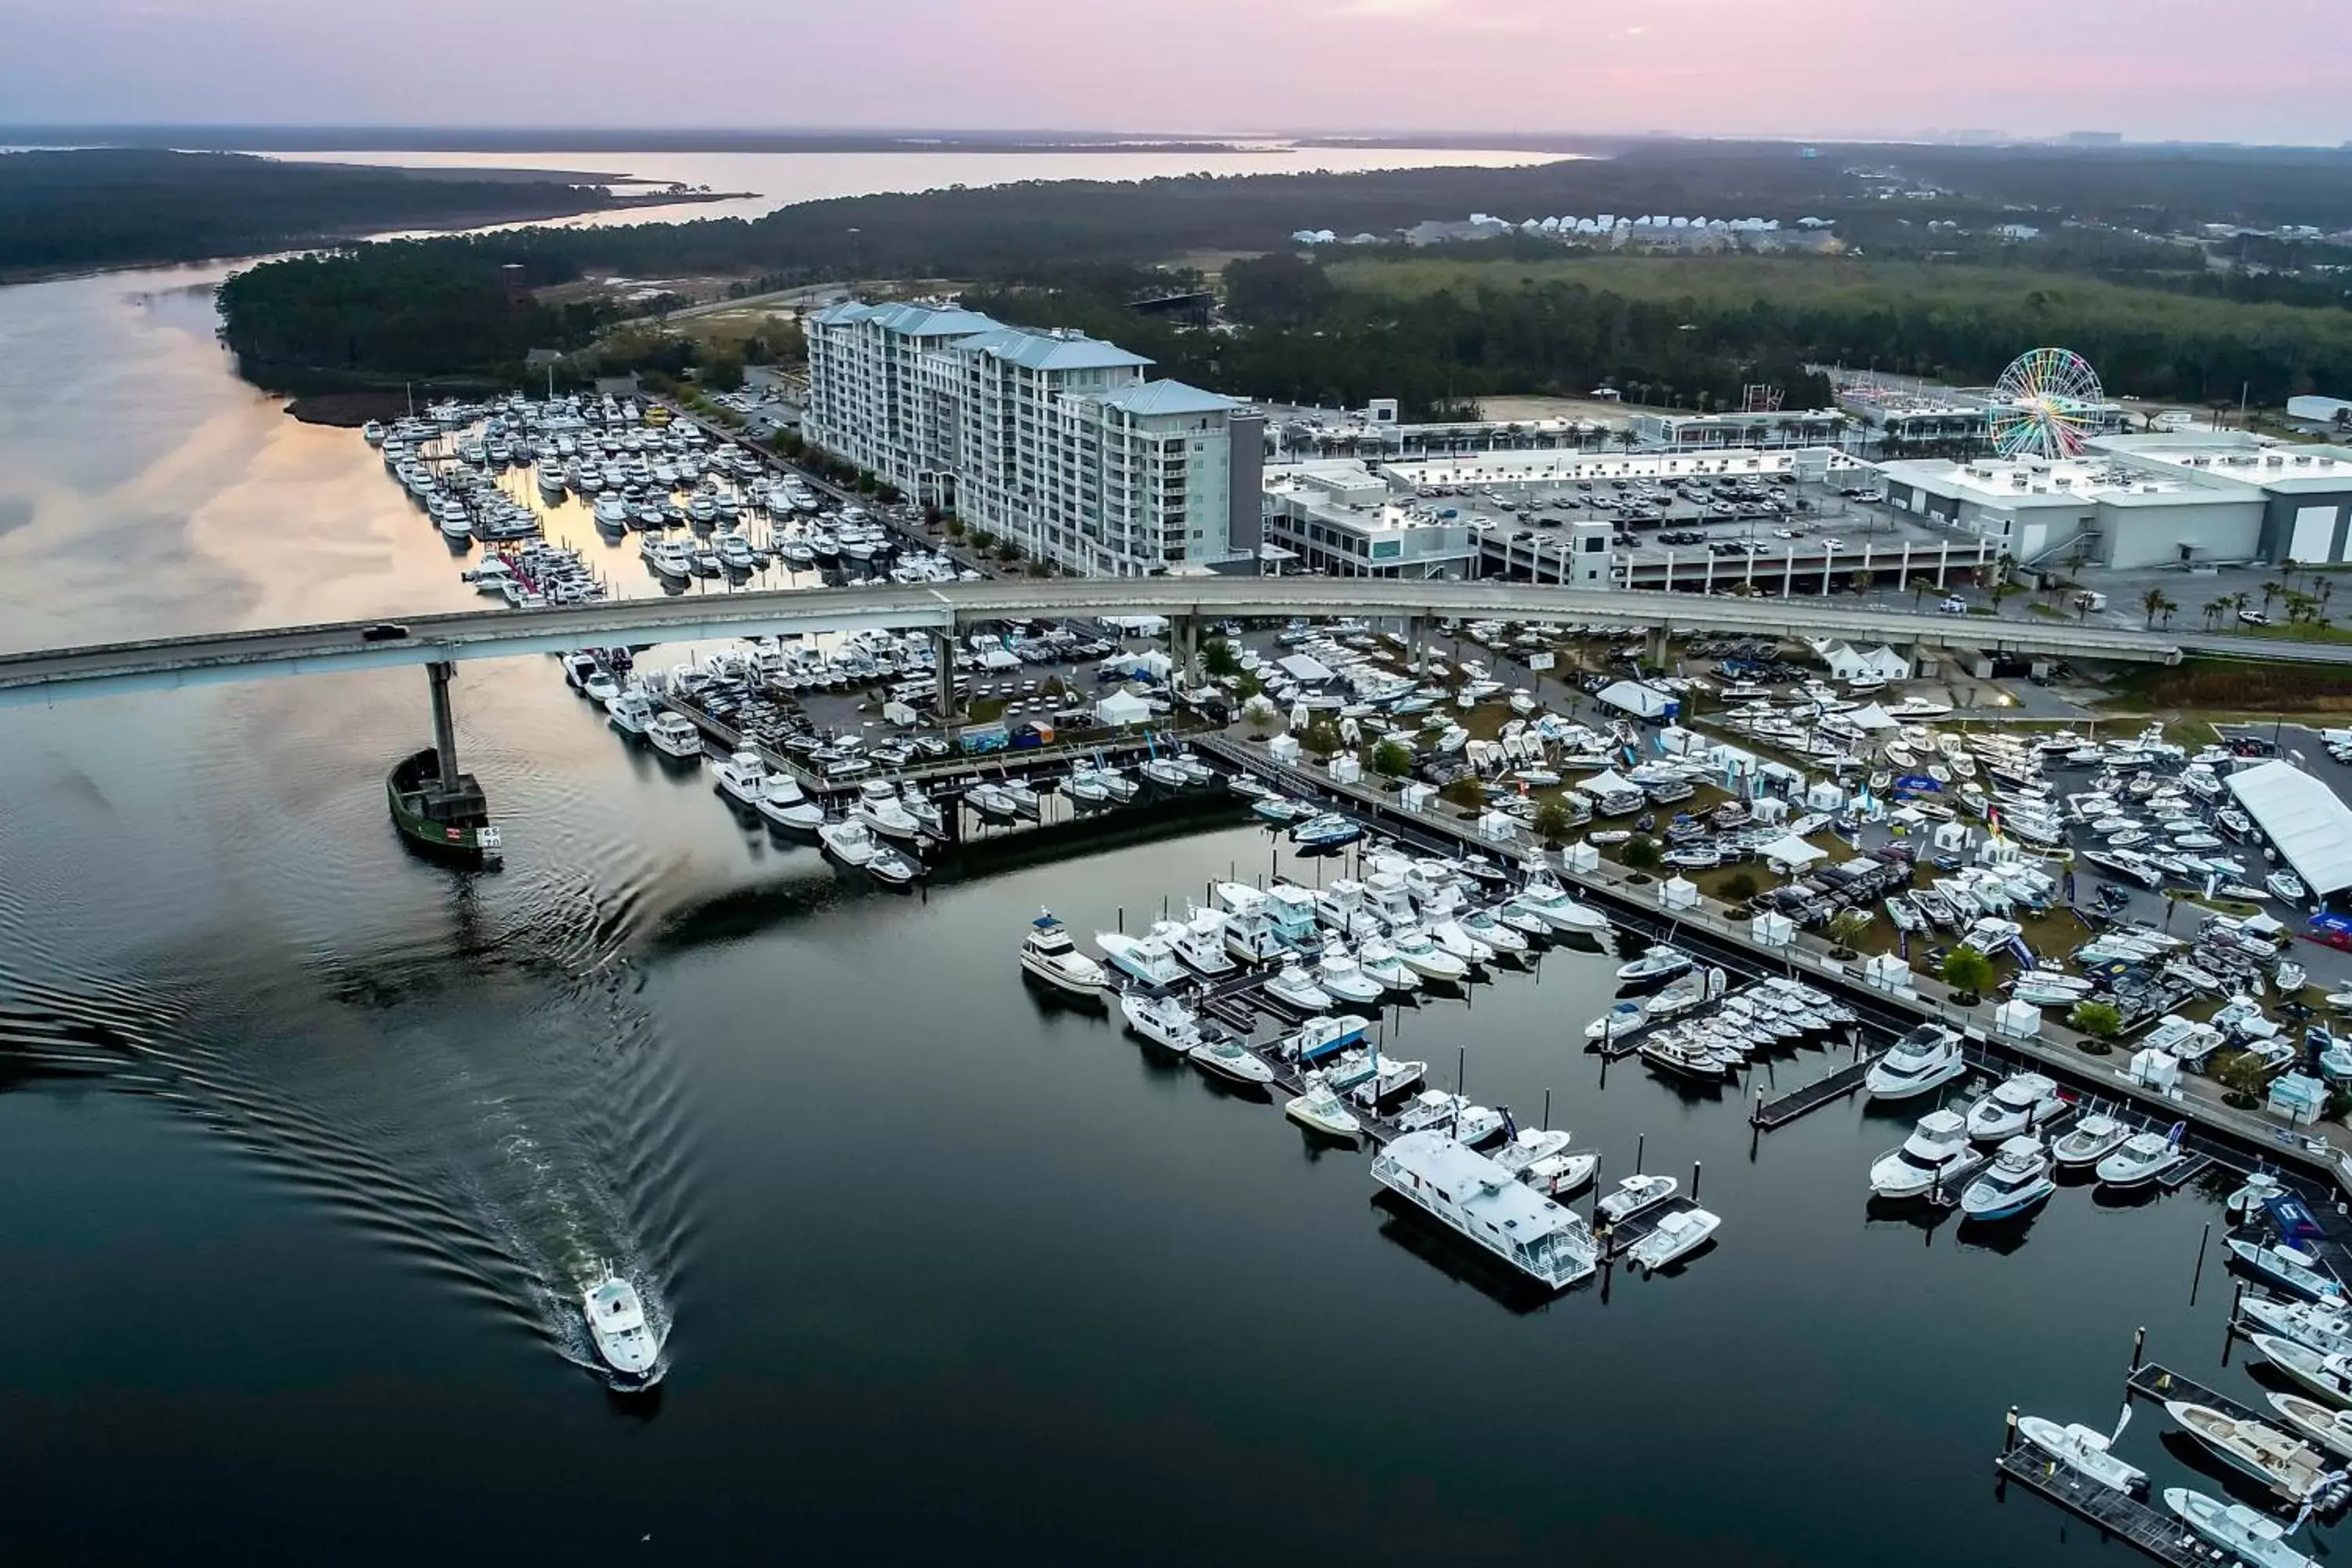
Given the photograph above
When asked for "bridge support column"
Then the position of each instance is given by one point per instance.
(1416, 642)
(1184, 641)
(444, 724)
(1659, 634)
(943, 676)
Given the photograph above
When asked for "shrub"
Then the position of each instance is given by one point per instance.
(1554, 821)
(2098, 1019)
(1393, 759)
(1741, 886)
(1968, 972)
(1641, 852)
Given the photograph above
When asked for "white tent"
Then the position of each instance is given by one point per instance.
(1873, 717)
(1580, 856)
(1499, 826)
(1791, 852)
(2020, 1019)
(1770, 929)
(1305, 669)
(1678, 893)
(1633, 697)
(1150, 662)
(1122, 708)
(1607, 782)
(2311, 828)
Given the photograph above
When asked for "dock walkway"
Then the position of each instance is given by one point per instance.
(2153, 1529)
(1787, 1107)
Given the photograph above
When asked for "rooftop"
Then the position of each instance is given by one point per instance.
(2235, 455)
(2009, 483)
(1166, 397)
(1050, 350)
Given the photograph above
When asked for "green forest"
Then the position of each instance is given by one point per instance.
(62, 210)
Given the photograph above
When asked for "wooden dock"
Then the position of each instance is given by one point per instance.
(1771, 1114)
(1622, 1238)
(2154, 1380)
(2153, 1529)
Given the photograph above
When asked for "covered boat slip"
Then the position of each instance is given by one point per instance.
(2309, 826)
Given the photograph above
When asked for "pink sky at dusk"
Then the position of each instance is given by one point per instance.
(2151, 69)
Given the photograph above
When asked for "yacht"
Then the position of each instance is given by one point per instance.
(1937, 1155)
(624, 1338)
(880, 809)
(612, 512)
(1544, 897)
(1231, 1061)
(1450, 1114)
(1635, 1195)
(783, 804)
(2324, 1330)
(1343, 979)
(1919, 1063)
(1661, 962)
(891, 867)
(2022, 1103)
(1388, 1076)
(1484, 1204)
(1415, 949)
(1450, 936)
(1164, 1021)
(1379, 961)
(2285, 886)
(2329, 1427)
(2290, 1270)
(631, 712)
(1294, 988)
(742, 777)
(2017, 1178)
(1623, 1017)
(1481, 926)
(2089, 1141)
(2293, 1469)
(1048, 953)
(2250, 1540)
(1539, 1157)
(1321, 1037)
(991, 800)
(2086, 1452)
(2143, 1157)
(1688, 1057)
(1328, 831)
(1142, 957)
(676, 735)
(1320, 1110)
(849, 842)
(1676, 1236)
(1201, 943)
(2328, 1377)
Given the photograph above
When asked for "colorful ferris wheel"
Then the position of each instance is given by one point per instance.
(2045, 405)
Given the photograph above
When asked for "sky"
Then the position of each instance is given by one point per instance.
(2150, 69)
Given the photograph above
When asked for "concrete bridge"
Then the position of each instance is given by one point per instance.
(945, 608)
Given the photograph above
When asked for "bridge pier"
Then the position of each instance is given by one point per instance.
(440, 811)
(1656, 651)
(1416, 642)
(1184, 639)
(943, 676)
(445, 721)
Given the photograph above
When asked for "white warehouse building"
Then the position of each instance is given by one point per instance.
(1051, 440)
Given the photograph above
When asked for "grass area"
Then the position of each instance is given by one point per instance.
(2047, 612)
(728, 328)
(2232, 689)
(2283, 632)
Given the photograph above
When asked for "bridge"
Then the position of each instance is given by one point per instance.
(944, 608)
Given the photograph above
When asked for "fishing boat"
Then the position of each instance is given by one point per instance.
(1233, 1061)
(2089, 1141)
(2143, 1157)
(1048, 953)
(1296, 989)
(2251, 1540)
(1145, 957)
(742, 778)
(675, 735)
(1676, 1235)
(1200, 941)
(2017, 1180)
(631, 712)
(1320, 1110)
(1163, 1020)
(1451, 1114)
(2287, 1465)
(1484, 1204)
(1633, 1195)
(2250, 1195)
(2321, 1424)
(849, 842)
(1937, 1155)
(1922, 1061)
(2326, 1329)
(1328, 831)
(1388, 1077)
(1344, 979)
(625, 1338)
(451, 822)
(2290, 1270)
(2086, 1452)
(2329, 1377)
(2022, 1102)
(1661, 962)
(784, 805)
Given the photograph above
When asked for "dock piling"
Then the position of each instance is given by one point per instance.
(2008, 1438)
(1695, 1165)
(2197, 1275)
(1641, 1141)
(1547, 1115)
(2139, 1344)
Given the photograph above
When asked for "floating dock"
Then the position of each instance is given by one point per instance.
(2153, 1529)
(1845, 1080)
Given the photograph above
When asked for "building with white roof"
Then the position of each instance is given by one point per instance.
(1051, 440)
(2305, 490)
(1337, 516)
(2109, 510)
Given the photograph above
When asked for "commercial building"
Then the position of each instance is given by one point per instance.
(2303, 492)
(1336, 515)
(2102, 507)
(1051, 440)
(1757, 428)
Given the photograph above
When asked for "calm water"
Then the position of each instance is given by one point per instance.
(304, 1143)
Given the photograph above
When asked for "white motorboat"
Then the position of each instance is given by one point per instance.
(1661, 962)
(2086, 1452)
(880, 809)
(600, 687)
(783, 803)
(1542, 1158)
(1623, 1017)
(675, 735)
(1481, 1202)
(1676, 1236)
(624, 1336)
(2327, 1376)
(1320, 1110)
(1482, 926)
(1635, 1195)
(1937, 1155)
(1048, 953)
(1546, 899)
(991, 800)
(2143, 1157)
(1919, 1063)
(1163, 1020)
(2285, 886)
(1387, 1076)
(1201, 943)
(1380, 960)
(2296, 1272)
(1450, 1114)
(2250, 1539)
(1344, 979)
(2022, 1102)
(2089, 1141)
(849, 842)
(1143, 957)
(893, 869)
(631, 712)
(2018, 1179)
(1294, 988)
(1450, 936)
(742, 778)
(1231, 1061)
(2321, 1424)
(2326, 1330)
(1419, 953)
(2287, 1465)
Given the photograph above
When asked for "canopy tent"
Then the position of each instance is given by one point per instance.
(1121, 707)
(1150, 662)
(1871, 716)
(2310, 827)
(1641, 702)
(1848, 663)
(1305, 669)
(1791, 851)
(1607, 782)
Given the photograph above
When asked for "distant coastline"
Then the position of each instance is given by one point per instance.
(558, 139)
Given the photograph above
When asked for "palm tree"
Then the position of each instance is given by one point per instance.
(2271, 590)
(2155, 604)
(1920, 588)
(2213, 608)
(2326, 592)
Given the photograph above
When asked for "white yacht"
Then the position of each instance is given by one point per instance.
(2287, 1465)
(1635, 1195)
(632, 713)
(2326, 1329)
(1919, 1063)
(1377, 960)
(1450, 936)
(1676, 1236)
(2086, 1452)
(676, 735)
(1164, 1021)
(2022, 1102)
(1344, 979)
(1450, 1114)
(1048, 953)
(2323, 1424)
(1294, 988)
(1414, 949)
(1661, 962)
(880, 809)
(1384, 1078)
(849, 842)
(2251, 1540)
(1539, 1157)
(783, 803)
(1937, 1155)
(616, 1320)
(1322, 1036)
(1481, 926)
(1320, 1110)
(2017, 1178)
(2143, 1157)
(1201, 943)
(1142, 957)
(2089, 1141)
(1231, 1061)
(2294, 1272)
(1545, 897)
(743, 777)
(1483, 1202)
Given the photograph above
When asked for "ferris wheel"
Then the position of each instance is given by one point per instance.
(2045, 405)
